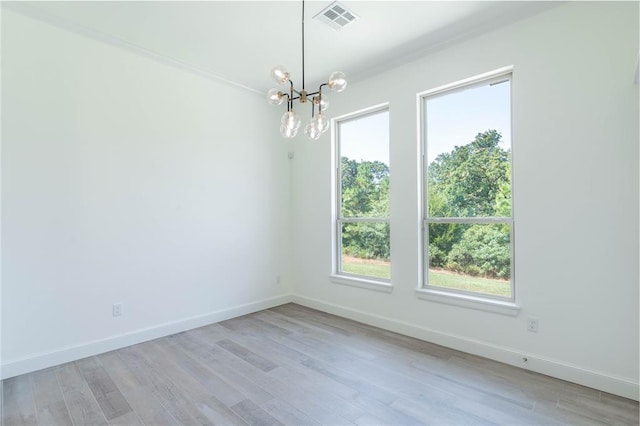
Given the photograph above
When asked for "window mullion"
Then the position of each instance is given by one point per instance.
(469, 220)
(364, 219)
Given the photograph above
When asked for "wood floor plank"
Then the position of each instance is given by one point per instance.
(294, 369)
(499, 411)
(206, 354)
(294, 365)
(195, 397)
(171, 396)
(247, 355)
(330, 348)
(400, 384)
(125, 378)
(295, 311)
(283, 322)
(276, 351)
(218, 413)
(354, 345)
(215, 385)
(287, 414)
(128, 419)
(148, 408)
(299, 325)
(265, 327)
(357, 383)
(212, 332)
(18, 405)
(555, 415)
(253, 414)
(384, 413)
(595, 411)
(430, 412)
(288, 391)
(625, 407)
(323, 393)
(143, 402)
(109, 397)
(82, 405)
(311, 350)
(368, 419)
(50, 405)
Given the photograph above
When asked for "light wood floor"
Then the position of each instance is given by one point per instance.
(297, 366)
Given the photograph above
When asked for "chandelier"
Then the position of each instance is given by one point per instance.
(290, 122)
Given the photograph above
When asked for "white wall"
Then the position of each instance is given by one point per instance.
(128, 180)
(575, 163)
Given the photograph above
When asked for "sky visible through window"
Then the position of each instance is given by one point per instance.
(366, 138)
(455, 119)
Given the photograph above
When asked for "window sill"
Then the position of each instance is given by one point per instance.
(361, 283)
(467, 301)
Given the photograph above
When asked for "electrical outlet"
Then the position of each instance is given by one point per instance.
(117, 309)
(532, 324)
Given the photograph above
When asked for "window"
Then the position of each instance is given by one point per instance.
(468, 220)
(362, 248)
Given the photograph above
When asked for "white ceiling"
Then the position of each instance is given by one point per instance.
(241, 41)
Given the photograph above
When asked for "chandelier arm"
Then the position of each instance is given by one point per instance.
(291, 98)
(319, 91)
(288, 99)
(320, 97)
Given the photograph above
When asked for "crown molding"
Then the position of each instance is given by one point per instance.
(31, 11)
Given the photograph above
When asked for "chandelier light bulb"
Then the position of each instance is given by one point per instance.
(279, 74)
(291, 120)
(323, 101)
(287, 132)
(337, 81)
(312, 131)
(275, 97)
(321, 123)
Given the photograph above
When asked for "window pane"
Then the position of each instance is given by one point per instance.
(365, 249)
(469, 152)
(471, 257)
(364, 166)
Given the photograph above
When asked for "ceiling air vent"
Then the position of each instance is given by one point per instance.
(336, 15)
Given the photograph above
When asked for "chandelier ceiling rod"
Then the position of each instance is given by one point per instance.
(303, 45)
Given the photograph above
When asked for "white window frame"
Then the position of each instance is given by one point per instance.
(474, 300)
(337, 275)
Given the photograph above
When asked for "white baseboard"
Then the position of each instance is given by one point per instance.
(71, 353)
(554, 368)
